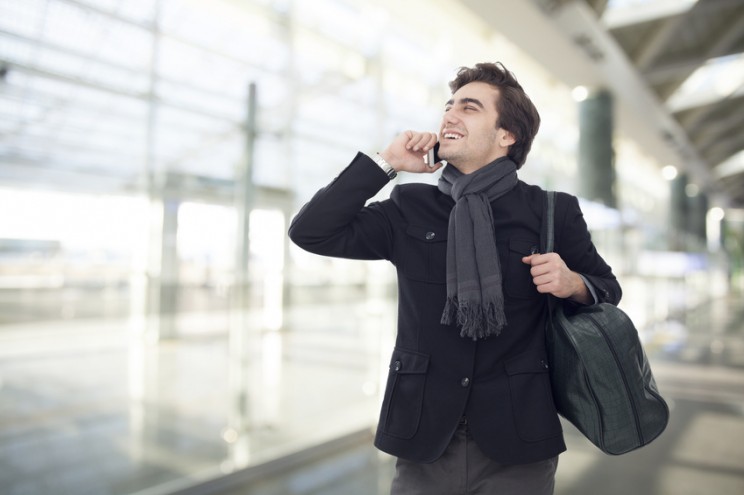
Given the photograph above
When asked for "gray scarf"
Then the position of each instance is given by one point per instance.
(474, 295)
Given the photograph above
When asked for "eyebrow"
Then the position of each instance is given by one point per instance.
(463, 101)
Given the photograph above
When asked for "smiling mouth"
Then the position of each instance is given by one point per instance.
(451, 135)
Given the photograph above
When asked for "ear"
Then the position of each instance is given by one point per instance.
(506, 138)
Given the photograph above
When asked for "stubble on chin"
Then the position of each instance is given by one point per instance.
(450, 156)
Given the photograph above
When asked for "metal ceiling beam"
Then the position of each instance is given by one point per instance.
(724, 149)
(721, 45)
(675, 74)
(703, 136)
(620, 17)
(732, 167)
(82, 149)
(659, 42)
(150, 26)
(139, 95)
(40, 44)
(665, 73)
(693, 119)
(599, 6)
(25, 172)
(42, 162)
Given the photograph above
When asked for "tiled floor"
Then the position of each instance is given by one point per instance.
(92, 409)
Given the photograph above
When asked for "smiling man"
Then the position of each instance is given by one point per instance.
(467, 406)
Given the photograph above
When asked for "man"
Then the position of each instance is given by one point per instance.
(468, 406)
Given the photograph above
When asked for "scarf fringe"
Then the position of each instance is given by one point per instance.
(477, 321)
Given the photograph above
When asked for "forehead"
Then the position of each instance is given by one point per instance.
(484, 92)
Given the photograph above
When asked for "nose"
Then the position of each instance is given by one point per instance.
(450, 118)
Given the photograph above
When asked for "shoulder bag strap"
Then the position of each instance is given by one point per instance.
(549, 220)
(548, 234)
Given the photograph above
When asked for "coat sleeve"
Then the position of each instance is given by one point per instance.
(574, 244)
(336, 222)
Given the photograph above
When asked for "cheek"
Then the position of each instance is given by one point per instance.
(487, 140)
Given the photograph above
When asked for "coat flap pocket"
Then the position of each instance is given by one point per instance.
(427, 234)
(408, 362)
(526, 363)
(524, 247)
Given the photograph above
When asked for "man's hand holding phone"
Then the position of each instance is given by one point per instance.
(413, 151)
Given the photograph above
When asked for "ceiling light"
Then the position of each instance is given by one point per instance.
(669, 172)
(580, 93)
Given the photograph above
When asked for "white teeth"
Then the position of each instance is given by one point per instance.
(452, 136)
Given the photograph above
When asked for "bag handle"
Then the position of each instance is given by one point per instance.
(547, 232)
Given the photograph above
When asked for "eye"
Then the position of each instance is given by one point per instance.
(470, 107)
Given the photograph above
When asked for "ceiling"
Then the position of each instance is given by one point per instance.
(64, 66)
(666, 42)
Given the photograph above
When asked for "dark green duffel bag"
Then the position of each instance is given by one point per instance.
(600, 375)
(601, 379)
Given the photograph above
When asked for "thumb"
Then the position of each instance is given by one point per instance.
(528, 259)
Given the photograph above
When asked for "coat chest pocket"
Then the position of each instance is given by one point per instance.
(425, 254)
(518, 280)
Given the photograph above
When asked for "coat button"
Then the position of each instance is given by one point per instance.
(430, 236)
(544, 364)
(397, 365)
(465, 382)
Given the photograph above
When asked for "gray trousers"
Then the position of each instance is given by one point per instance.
(464, 469)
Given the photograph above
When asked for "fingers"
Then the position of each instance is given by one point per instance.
(542, 266)
(550, 274)
(420, 141)
(538, 259)
(541, 259)
(408, 150)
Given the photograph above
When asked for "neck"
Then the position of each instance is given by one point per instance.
(469, 168)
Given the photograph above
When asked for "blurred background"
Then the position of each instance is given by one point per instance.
(158, 332)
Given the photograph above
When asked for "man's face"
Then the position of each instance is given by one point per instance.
(468, 135)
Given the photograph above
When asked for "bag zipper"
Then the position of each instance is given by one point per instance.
(625, 380)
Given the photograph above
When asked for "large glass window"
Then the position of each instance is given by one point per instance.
(150, 300)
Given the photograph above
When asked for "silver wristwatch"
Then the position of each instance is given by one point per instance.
(385, 166)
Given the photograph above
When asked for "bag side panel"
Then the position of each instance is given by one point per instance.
(575, 402)
(639, 414)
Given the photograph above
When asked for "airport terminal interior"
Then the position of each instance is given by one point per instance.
(159, 332)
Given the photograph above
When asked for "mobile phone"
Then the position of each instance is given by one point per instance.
(433, 156)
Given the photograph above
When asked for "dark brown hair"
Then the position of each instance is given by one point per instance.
(517, 113)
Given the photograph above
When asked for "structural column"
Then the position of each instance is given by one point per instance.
(162, 284)
(244, 202)
(698, 208)
(169, 269)
(596, 154)
(678, 213)
(244, 345)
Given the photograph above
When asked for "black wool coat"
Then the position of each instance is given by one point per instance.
(436, 377)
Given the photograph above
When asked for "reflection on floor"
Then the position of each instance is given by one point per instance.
(88, 406)
(89, 410)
